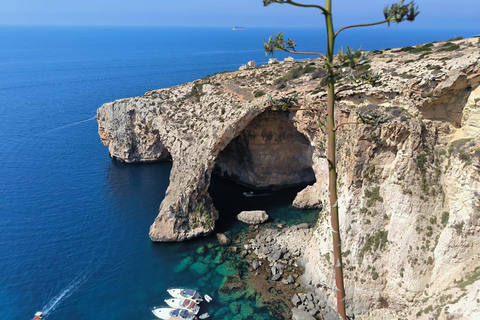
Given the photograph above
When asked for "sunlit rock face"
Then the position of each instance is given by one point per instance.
(408, 162)
(269, 153)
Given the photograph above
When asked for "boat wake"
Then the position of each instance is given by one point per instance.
(15, 142)
(70, 125)
(65, 293)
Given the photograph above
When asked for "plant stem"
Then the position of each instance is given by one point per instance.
(332, 168)
(360, 25)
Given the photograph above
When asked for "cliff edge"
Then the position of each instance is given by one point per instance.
(409, 187)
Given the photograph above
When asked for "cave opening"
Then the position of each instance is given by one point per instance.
(263, 168)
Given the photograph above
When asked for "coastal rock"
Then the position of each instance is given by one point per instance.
(223, 239)
(309, 198)
(298, 314)
(253, 217)
(408, 174)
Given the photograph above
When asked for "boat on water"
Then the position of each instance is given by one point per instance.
(180, 303)
(185, 294)
(38, 316)
(238, 28)
(168, 313)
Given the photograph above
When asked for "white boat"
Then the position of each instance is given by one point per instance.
(168, 313)
(180, 303)
(185, 294)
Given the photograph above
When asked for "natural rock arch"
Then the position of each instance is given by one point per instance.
(270, 153)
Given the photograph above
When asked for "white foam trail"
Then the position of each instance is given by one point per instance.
(70, 125)
(12, 143)
(65, 293)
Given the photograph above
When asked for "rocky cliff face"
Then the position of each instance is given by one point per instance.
(409, 187)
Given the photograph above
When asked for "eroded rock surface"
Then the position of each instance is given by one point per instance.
(253, 217)
(409, 175)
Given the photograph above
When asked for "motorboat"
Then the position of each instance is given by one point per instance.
(38, 316)
(185, 294)
(180, 303)
(168, 313)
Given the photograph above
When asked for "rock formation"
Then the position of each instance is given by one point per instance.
(409, 175)
(253, 217)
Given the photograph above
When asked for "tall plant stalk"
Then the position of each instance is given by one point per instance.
(397, 12)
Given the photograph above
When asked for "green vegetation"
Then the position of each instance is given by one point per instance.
(373, 196)
(196, 92)
(459, 227)
(470, 280)
(448, 46)
(259, 93)
(456, 38)
(295, 73)
(445, 217)
(425, 48)
(352, 57)
(375, 242)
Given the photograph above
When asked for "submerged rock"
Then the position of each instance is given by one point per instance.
(233, 288)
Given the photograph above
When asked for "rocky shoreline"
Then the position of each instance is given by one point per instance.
(272, 253)
(409, 203)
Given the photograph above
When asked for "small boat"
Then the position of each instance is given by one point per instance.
(167, 313)
(207, 298)
(238, 28)
(38, 316)
(185, 294)
(251, 194)
(187, 304)
(204, 316)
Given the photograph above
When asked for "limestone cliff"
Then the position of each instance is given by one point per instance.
(409, 187)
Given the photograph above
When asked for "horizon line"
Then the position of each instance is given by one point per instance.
(229, 26)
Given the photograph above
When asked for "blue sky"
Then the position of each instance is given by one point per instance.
(248, 13)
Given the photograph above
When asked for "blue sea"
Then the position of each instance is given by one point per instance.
(73, 223)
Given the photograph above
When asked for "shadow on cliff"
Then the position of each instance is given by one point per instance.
(229, 199)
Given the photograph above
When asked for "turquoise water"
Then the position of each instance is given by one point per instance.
(73, 223)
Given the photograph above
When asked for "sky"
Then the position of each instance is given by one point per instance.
(223, 13)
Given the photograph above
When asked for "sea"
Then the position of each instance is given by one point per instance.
(74, 223)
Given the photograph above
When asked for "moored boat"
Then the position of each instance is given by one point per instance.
(180, 303)
(185, 294)
(168, 313)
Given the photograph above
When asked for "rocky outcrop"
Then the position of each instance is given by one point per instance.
(408, 173)
(253, 217)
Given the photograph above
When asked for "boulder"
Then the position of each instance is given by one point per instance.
(253, 217)
(301, 315)
(272, 60)
(223, 239)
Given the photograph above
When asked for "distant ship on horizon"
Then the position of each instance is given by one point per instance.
(238, 28)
